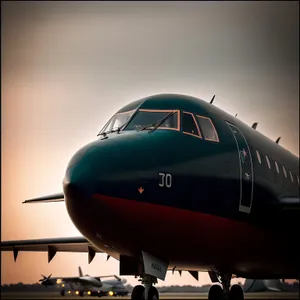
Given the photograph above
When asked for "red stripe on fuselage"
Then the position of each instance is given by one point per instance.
(185, 238)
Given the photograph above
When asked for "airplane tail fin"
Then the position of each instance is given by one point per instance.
(80, 272)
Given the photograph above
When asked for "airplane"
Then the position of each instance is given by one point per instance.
(174, 183)
(260, 285)
(93, 286)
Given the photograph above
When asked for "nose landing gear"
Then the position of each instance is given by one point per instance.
(216, 292)
(146, 292)
(236, 293)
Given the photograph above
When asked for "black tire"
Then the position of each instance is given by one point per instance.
(81, 294)
(62, 292)
(153, 294)
(236, 293)
(215, 293)
(137, 292)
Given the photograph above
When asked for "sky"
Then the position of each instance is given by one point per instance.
(67, 67)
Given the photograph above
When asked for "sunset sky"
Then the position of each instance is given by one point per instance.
(68, 66)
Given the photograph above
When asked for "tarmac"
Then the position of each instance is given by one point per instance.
(166, 296)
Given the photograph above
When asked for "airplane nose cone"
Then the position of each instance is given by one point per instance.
(75, 194)
(73, 191)
(77, 183)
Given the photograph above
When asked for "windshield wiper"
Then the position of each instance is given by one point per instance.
(140, 127)
(154, 126)
(102, 133)
(162, 121)
(117, 129)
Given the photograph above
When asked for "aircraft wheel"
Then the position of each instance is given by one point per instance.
(153, 294)
(81, 294)
(62, 292)
(137, 292)
(236, 293)
(215, 293)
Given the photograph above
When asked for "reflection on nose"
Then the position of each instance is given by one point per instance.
(75, 184)
(73, 192)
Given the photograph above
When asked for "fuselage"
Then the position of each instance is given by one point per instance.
(83, 281)
(203, 190)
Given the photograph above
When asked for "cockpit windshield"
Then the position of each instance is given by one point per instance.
(117, 121)
(146, 118)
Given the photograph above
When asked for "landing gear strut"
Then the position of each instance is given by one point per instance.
(146, 292)
(216, 292)
(225, 281)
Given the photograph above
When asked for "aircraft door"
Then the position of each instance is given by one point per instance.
(246, 170)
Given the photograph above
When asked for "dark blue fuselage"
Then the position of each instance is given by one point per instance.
(204, 171)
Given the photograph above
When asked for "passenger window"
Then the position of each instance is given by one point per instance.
(258, 156)
(268, 162)
(291, 175)
(189, 124)
(208, 129)
(284, 171)
(277, 167)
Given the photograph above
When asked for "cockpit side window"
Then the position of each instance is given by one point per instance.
(189, 124)
(207, 128)
(149, 117)
(117, 121)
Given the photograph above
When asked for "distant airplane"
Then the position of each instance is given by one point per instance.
(260, 285)
(173, 182)
(93, 286)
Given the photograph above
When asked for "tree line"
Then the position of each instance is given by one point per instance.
(36, 287)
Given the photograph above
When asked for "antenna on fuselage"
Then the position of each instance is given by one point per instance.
(254, 125)
(277, 141)
(235, 115)
(212, 99)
